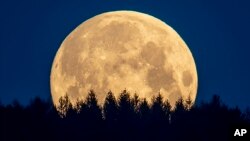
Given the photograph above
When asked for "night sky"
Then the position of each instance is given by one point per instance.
(217, 33)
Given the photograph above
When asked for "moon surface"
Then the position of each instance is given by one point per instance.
(123, 50)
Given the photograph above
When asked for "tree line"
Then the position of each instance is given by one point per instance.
(125, 118)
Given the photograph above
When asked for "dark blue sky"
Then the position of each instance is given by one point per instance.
(217, 33)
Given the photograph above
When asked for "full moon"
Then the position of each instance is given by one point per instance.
(123, 50)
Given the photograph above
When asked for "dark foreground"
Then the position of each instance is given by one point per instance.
(124, 119)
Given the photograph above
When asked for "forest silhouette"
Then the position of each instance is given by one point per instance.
(122, 118)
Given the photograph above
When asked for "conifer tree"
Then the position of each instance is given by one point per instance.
(94, 110)
(64, 106)
(110, 107)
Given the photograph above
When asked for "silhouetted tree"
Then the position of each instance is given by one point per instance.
(179, 112)
(110, 108)
(94, 117)
(38, 108)
(79, 105)
(125, 109)
(135, 102)
(144, 110)
(125, 119)
(94, 110)
(246, 115)
(125, 115)
(158, 113)
(167, 108)
(64, 106)
(215, 102)
(145, 117)
(135, 110)
(179, 106)
(110, 113)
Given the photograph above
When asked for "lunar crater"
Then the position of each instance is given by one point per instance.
(123, 49)
(153, 54)
(187, 78)
(160, 78)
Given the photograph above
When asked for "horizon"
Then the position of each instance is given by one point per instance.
(136, 119)
(131, 97)
(216, 32)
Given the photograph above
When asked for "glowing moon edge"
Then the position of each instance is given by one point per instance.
(180, 62)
